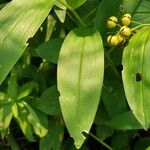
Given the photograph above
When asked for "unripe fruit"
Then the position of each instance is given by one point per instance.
(112, 22)
(125, 31)
(121, 39)
(126, 19)
(112, 40)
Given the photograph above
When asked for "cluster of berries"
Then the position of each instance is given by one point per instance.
(124, 31)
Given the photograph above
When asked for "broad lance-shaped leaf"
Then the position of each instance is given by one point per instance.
(136, 75)
(19, 21)
(80, 77)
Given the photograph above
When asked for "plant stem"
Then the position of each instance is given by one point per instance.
(142, 25)
(14, 145)
(136, 22)
(74, 13)
(113, 48)
(100, 141)
(119, 25)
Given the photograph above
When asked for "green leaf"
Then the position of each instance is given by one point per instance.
(14, 109)
(75, 3)
(26, 89)
(113, 94)
(106, 9)
(88, 11)
(24, 123)
(130, 6)
(39, 129)
(120, 141)
(53, 139)
(49, 102)
(19, 21)
(143, 144)
(5, 115)
(12, 85)
(103, 131)
(50, 50)
(124, 121)
(148, 148)
(136, 75)
(140, 10)
(80, 77)
(60, 12)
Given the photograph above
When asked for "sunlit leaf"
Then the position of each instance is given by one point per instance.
(136, 75)
(23, 122)
(19, 20)
(39, 129)
(5, 116)
(80, 77)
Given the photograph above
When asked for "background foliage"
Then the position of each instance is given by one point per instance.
(61, 83)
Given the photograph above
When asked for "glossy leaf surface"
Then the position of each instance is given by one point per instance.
(19, 20)
(80, 77)
(136, 75)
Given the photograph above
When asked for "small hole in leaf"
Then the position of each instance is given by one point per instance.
(138, 77)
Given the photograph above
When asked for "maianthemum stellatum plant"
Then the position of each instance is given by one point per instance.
(75, 70)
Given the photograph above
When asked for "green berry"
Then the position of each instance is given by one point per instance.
(126, 19)
(112, 22)
(112, 40)
(125, 31)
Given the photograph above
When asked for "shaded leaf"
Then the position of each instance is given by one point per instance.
(50, 50)
(140, 10)
(80, 77)
(113, 94)
(103, 131)
(106, 9)
(120, 141)
(88, 11)
(75, 3)
(143, 144)
(124, 121)
(53, 139)
(130, 6)
(49, 102)
(16, 27)
(26, 89)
